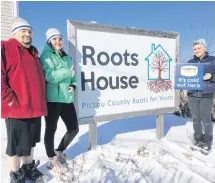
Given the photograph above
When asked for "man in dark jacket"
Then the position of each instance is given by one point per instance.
(201, 102)
(23, 101)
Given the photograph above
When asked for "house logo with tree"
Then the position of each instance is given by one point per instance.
(158, 64)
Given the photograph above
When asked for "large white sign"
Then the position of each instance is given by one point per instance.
(121, 73)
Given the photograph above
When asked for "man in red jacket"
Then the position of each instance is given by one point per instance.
(23, 101)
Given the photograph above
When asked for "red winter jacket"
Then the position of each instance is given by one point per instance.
(22, 82)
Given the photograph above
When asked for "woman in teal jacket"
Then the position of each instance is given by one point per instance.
(60, 85)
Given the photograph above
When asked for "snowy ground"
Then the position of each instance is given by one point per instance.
(129, 152)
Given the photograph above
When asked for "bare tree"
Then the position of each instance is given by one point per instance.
(160, 64)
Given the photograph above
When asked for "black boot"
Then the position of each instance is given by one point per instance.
(198, 140)
(207, 143)
(32, 173)
(17, 177)
(207, 146)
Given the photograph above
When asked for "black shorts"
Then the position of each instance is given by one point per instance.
(22, 135)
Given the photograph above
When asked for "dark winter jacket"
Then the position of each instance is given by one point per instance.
(22, 82)
(208, 86)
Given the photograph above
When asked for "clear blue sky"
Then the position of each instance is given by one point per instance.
(192, 20)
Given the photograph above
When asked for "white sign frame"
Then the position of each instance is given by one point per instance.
(72, 27)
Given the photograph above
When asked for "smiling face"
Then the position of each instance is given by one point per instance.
(24, 36)
(199, 50)
(57, 43)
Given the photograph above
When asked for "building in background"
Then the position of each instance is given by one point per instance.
(9, 10)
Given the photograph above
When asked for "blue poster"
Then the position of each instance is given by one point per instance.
(189, 76)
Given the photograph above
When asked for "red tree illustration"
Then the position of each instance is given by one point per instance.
(159, 63)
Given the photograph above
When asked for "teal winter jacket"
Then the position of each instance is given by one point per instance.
(58, 75)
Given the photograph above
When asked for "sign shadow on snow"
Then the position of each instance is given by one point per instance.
(108, 131)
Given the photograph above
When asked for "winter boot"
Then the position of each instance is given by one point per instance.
(207, 144)
(197, 142)
(17, 177)
(32, 173)
(61, 157)
(58, 167)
